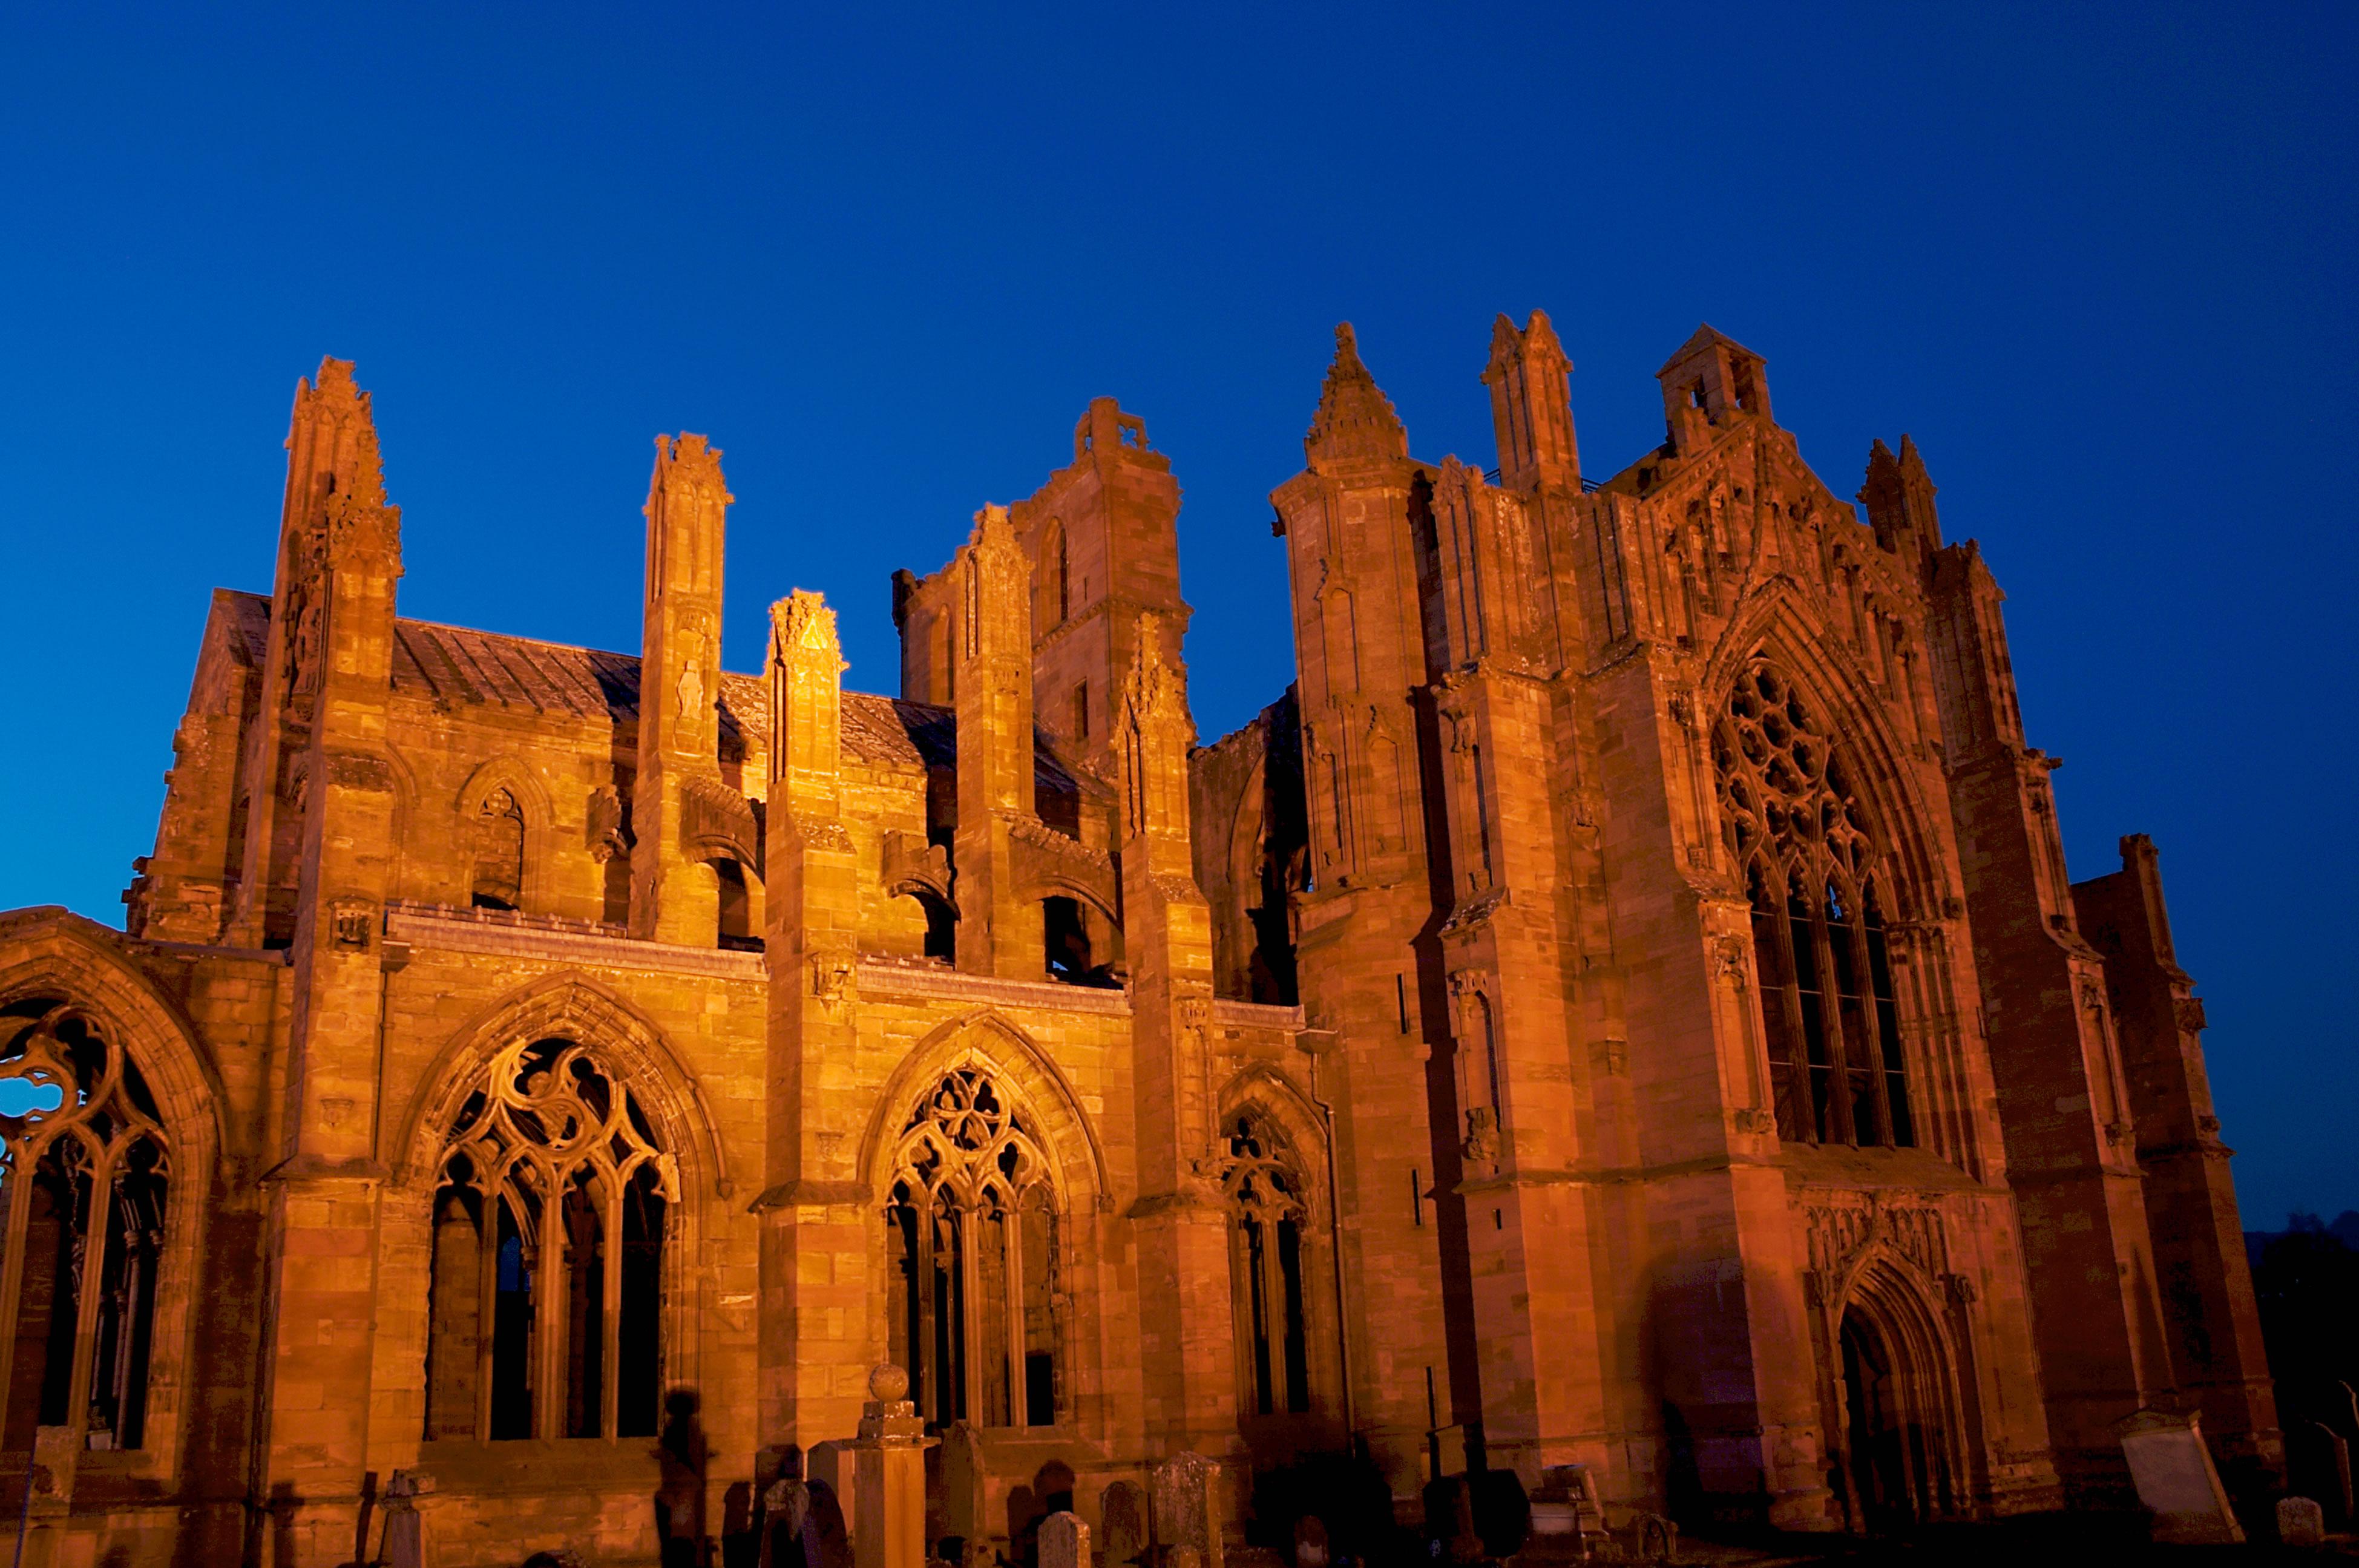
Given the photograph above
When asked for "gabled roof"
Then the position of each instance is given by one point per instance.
(1705, 337)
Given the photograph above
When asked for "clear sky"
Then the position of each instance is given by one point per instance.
(2098, 261)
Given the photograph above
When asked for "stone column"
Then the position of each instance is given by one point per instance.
(888, 1476)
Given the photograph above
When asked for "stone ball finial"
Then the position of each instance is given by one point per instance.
(888, 1384)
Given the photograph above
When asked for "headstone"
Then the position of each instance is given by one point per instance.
(1064, 1541)
(827, 1541)
(829, 1465)
(1309, 1543)
(789, 1536)
(2318, 1466)
(405, 1529)
(1182, 1496)
(979, 1552)
(2300, 1522)
(1122, 1524)
(1450, 1519)
(1503, 1513)
(2176, 1480)
(963, 1476)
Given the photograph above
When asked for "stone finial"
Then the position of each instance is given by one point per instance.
(888, 1384)
(1354, 418)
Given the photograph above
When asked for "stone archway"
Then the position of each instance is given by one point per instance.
(1896, 1407)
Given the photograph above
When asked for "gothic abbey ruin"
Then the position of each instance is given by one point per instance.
(1624, 1004)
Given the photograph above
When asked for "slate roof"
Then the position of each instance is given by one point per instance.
(462, 665)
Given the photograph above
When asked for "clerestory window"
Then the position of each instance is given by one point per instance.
(85, 1172)
(546, 1298)
(1816, 874)
(971, 1228)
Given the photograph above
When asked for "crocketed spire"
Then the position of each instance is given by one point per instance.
(1354, 419)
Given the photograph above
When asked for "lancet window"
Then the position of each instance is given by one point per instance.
(549, 1225)
(1268, 1211)
(1819, 886)
(971, 1232)
(84, 1176)
(1053, 596)
(499, 853)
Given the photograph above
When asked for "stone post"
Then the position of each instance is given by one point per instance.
(887, 1505)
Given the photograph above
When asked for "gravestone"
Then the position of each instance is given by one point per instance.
(1450, 1519)
(1122, 1524)
(888, 1476)
(829, 1465)
(964, 1478)
(789, 1536)
(2318, 1466)
(405, 1529)
(2176, 1480)
(1064, 1541)
(1309, 1541)
(1180, 1493)
(2300, 1522)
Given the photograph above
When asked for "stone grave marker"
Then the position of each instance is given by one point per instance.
(1180, 1493)
(1309, 1541)
(405, 1530)
(963, 1475)
(1064, 1541)
(2176, 1480)
(2300, 1522)
(1122, 1524)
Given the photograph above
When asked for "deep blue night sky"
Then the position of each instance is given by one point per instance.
(2099, 264)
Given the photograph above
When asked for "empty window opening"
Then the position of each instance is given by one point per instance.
(970, 1231)
(86, 1178)
(736, 909)
(544, 1295)
(499, 853)
(1696, 395)
(1071, 932)
(1268, 1210)
(1080, 710)
(941, 929)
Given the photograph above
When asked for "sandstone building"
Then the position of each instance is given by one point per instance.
(1624, 1003)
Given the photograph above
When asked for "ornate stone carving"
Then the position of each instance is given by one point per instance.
(1846, 1228)
(609, 830)
(1482, 1134)
(2188, 1012)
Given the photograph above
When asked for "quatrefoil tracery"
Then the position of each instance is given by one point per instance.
(1786, 788)
(549, 1114)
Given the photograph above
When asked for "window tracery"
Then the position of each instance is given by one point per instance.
(548, 1229)
(1268, 1210)
(85, 1170)
(1816, 874)
(971, 1224)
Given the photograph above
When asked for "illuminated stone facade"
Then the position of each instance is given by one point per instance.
(1623, 1003)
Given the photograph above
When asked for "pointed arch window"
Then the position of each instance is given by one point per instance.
(1820, 885)
(546, 1298)
(499, 853)
(970, 1230)
(1268, 1212)
(84, 1179)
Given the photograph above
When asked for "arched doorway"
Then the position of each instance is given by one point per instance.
(1892, 1471)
